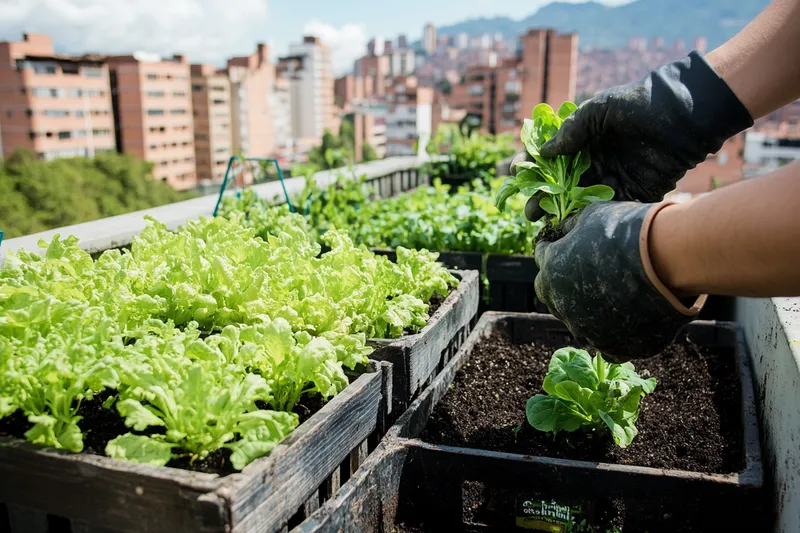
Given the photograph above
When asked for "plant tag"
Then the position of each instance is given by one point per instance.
(542, 514)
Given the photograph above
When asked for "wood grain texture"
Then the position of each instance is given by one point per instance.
(269, 491)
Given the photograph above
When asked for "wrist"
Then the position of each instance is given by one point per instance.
(667, 256)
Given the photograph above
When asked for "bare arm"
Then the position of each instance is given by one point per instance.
(761, 63)
(741, 240)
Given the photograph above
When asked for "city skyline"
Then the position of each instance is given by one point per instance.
(209, 31)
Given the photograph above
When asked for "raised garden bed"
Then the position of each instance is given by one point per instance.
(695, 465)
(45, 489)
(417, 358)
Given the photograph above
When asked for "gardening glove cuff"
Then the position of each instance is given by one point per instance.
(599, 280)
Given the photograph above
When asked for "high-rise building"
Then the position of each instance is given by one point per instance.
(503, 92)
(658, 43)
(280, 104)
(402, 62)
(462, 40)
(409, 118)
(376, 70)
(52, 104)
(252, 80)
(549, 68)
(153, 113)
(429, 39)
(402, 41)
(211, 108)
(312, 90)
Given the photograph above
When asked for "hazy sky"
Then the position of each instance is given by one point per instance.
(211, 30)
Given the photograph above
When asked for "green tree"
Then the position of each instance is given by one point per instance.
(39, 195)
(368, 153)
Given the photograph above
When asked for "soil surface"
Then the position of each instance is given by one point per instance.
(101, 425)
(435, 303)
(691, 421)
(548, 233)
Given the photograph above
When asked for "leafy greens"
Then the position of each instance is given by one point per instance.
(589, 393)
(554, 181)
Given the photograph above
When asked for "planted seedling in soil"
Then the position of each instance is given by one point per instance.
(589, 393)
(551, 181)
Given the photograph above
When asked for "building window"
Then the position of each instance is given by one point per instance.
(101, 132)
(177, 111)
(155, 94)
(55, 113)
(178, 94)
(75, 93)
(197, 88)
(31, 135)
(64, 134)
(93, 72)
(9, 113)
(155, 112)
(44, 68)
(152, 76)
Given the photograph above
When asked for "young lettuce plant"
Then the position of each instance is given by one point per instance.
(589, 393)
(554, 181)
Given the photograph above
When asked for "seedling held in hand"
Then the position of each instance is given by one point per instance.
(554, 181)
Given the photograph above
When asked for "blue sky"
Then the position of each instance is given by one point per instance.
(212, 30)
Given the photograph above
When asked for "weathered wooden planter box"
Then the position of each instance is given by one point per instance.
(45, 489)
(407, 477)
(416, 359)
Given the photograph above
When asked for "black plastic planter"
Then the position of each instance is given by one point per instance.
(507, 281)
(407, 479)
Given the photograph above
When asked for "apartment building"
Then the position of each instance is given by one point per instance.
(252, 78)
(54, 105)
(211, 109)
(409, 118)
(280, 104)
(549, 68)
(374, 70)
(152, 101)
(503, 92)
(311, 90)
(429, 39)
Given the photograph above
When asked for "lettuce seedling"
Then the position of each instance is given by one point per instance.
(589, 393)
(554, 181)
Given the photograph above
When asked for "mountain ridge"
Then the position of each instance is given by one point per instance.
(601, 26)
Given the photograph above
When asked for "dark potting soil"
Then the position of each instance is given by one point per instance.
(100, 425)
(549, 233)
(435, 303)
(691, 421)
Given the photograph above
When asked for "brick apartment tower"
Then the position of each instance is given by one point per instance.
(409, 118)
(312, 88)
(252, 79)
(153, 113)
(549, 69)
(211, 105)
(52, 104)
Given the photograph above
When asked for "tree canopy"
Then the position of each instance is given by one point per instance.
(38, 195)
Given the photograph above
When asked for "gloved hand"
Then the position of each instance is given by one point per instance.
(644, 136)
(599, 281)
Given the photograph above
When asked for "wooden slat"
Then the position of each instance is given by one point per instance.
(368, 503)
(106, 492)
(26, 520)
(267, 493)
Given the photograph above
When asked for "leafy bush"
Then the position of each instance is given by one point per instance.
(38, 195)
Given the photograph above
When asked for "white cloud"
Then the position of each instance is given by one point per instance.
(347, 42)
(203, 30)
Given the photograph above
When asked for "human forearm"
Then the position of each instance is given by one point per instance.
(742, 240)
(761, 63)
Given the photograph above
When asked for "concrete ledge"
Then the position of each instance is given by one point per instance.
(772, 329)
(112, 232)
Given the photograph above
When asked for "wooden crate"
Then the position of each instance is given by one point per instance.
(416, 359)
(46, 490)
(407, 473)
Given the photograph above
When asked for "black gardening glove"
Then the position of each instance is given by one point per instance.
(598, 280)
(644, 136)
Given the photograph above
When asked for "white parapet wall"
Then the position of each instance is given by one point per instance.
(772, 328)
(113, 232)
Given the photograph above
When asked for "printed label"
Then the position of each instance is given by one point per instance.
(539, 514)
